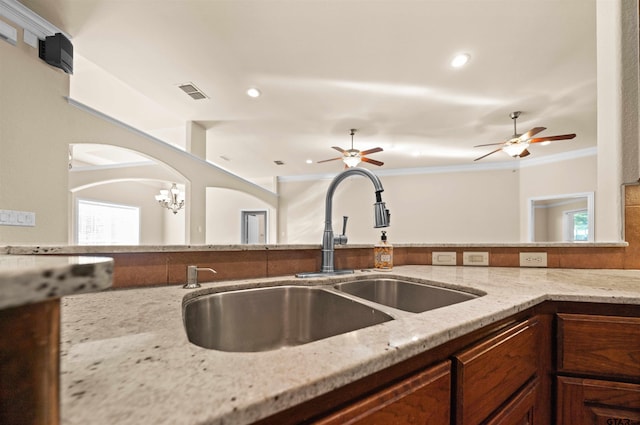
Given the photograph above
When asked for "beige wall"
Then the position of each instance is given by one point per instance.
(224, 208)
(577, 175)
(455, 207)
(33, 144)
(477, 206)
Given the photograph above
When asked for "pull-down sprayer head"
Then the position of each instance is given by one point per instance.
(381, 213)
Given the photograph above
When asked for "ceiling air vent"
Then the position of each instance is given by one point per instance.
(278, 162)
(193, 91)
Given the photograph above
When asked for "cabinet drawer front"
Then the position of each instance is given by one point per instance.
(599, 345)
(421, 399)
(589, 401)
(491, 372)
(520, 410)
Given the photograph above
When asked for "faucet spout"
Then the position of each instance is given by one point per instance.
(381, 218)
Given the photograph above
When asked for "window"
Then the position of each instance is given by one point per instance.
(100, 223)
(576, 225)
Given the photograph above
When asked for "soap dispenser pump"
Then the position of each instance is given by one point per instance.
(383, 254)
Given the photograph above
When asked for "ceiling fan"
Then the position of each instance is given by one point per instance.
(352, 157)
(517, 145)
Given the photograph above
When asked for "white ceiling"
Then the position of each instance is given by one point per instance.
(325, 66)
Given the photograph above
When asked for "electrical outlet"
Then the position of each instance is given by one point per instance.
(443, 258)
(475, 258)
(533, 259)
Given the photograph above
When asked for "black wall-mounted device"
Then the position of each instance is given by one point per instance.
(57, 50)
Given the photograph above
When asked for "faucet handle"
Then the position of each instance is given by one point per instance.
(344, 225)
(342, 239)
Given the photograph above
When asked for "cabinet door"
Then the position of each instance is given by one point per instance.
(520, 410)
(424, 398)
(594, 402)
(607, 346)
(490, 373)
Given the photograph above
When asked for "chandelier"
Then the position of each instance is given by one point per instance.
(171, 199)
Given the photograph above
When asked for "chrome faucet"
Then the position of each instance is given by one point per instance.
(192, 276)
(381, 216)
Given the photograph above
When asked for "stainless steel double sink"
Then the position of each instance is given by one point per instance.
(262, 319)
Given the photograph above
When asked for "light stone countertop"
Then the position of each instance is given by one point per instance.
(126, 358)
(88, 250)
(27, 279)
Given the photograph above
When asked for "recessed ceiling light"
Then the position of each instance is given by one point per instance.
(309, 161)
(460, 60)
(253, 92)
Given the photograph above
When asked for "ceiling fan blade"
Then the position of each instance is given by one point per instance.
(524, 153)
(552, 138)
(529, 134)
(372, 161)
(368, 151)
(492, 152)
(489, 144)
(338, 149)
(327, 160)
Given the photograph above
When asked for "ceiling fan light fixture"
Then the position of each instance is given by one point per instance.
(548, 142)
(351, 161)
(515, 149)
(460, 60)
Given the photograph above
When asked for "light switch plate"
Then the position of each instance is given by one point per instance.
(443, 258)
(17, 218)
(475, 258)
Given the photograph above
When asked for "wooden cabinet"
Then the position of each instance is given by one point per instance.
(490, 374)
(607, 348)
(521, 409)
(596, 402)
(420, 399)
(504, 374)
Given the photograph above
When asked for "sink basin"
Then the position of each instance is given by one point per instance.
(263, 319)
(404, 295)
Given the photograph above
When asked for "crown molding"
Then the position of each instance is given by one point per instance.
(503, 165)
(32, 23)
